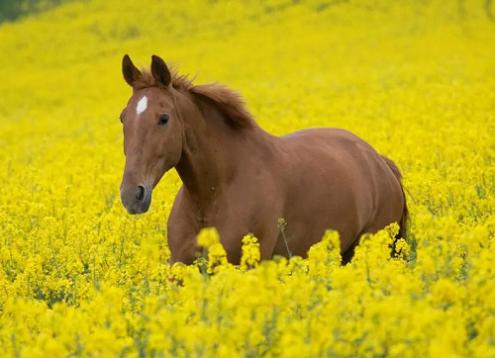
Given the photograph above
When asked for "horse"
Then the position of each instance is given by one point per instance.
(240, 179)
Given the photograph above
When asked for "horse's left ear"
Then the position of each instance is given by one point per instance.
(160, 71)
(130, 72)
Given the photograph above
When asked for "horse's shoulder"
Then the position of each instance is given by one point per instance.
(181, 207)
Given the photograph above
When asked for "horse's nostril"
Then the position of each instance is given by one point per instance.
(140, 193)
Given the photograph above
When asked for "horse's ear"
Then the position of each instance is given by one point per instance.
(130, 72)
(160, 71)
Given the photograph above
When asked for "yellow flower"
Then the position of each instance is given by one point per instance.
(250, 252)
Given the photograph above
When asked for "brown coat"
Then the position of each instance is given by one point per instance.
(240, 179)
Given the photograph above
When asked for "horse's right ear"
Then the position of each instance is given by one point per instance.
(160, 71)
(130, 72)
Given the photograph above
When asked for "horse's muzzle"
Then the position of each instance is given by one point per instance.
(136, 199)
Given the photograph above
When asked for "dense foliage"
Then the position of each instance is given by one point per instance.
(79, 276)
(13, 9)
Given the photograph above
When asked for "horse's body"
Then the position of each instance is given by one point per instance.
(240, 179)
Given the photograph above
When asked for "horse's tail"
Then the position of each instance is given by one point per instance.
(405, 212)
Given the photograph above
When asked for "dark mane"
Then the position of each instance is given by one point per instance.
(229, 102)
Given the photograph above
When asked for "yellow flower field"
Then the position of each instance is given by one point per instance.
(81, 277)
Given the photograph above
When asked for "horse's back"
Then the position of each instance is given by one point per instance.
(338, 181)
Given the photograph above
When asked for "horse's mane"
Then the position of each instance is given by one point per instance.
(227, 101)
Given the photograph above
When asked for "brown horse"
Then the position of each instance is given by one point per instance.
(240, 179)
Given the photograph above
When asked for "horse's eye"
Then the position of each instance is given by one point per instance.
(163, 119)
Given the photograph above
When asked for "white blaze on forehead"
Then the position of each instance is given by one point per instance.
(142, 105)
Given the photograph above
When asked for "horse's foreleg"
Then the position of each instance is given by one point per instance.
(185, 250)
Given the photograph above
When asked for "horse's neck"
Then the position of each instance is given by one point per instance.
(208, 154)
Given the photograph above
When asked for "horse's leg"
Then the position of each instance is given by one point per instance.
(233, 230)
(268, 240)
(348, 253)
(232, 242)
(182, 241)
(182, 230)
(186, 253)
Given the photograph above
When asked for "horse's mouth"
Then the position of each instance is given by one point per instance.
(138, 209)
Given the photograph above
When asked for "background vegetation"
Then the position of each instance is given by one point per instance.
(13, 9)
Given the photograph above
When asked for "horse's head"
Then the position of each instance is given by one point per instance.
(153, 132)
